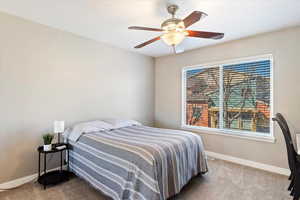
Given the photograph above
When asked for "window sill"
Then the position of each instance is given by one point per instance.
(229, 133)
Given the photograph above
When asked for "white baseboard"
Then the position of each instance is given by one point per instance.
(249, 163)
(20, 181)
(17, 182)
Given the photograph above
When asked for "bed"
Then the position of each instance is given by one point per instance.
(138, 162)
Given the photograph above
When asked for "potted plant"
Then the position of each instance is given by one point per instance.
(47, 141)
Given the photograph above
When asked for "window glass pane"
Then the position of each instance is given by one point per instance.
(202, 97)
(246, 96)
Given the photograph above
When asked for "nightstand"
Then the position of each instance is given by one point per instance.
(56, 176)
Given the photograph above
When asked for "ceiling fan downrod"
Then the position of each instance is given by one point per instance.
(172, 9)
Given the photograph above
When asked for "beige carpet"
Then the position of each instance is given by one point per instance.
(225, 181)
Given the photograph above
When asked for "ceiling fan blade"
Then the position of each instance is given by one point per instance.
(203, 34)
(144, 28)
(193, 18)
(148, 42)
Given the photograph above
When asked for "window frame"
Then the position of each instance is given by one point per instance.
(223, 131)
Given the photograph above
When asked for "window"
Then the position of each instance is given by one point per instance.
(232, 97)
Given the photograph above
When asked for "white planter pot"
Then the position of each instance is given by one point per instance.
(48, 147)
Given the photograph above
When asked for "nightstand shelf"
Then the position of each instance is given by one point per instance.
(54, 177)
(57, 176)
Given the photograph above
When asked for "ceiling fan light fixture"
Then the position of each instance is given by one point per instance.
(174, 37)
(174, 31)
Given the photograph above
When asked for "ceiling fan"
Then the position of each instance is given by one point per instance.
(174, 29)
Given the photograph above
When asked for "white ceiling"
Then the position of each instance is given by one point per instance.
(107, 20)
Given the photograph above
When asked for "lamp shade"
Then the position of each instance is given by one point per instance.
(59, 126)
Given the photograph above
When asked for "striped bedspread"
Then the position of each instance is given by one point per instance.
(138, 162)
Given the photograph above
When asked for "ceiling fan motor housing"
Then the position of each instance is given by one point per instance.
(172, 24)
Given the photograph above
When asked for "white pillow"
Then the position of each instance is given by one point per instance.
(87, 127)
(119, 123)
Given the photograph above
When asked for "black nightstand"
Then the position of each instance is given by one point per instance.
(57, 176)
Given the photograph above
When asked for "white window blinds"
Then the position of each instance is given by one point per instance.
(230, 96)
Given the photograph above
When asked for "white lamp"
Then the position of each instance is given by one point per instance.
(59, 127)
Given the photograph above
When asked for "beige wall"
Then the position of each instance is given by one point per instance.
(285, 47)
(47, 74)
